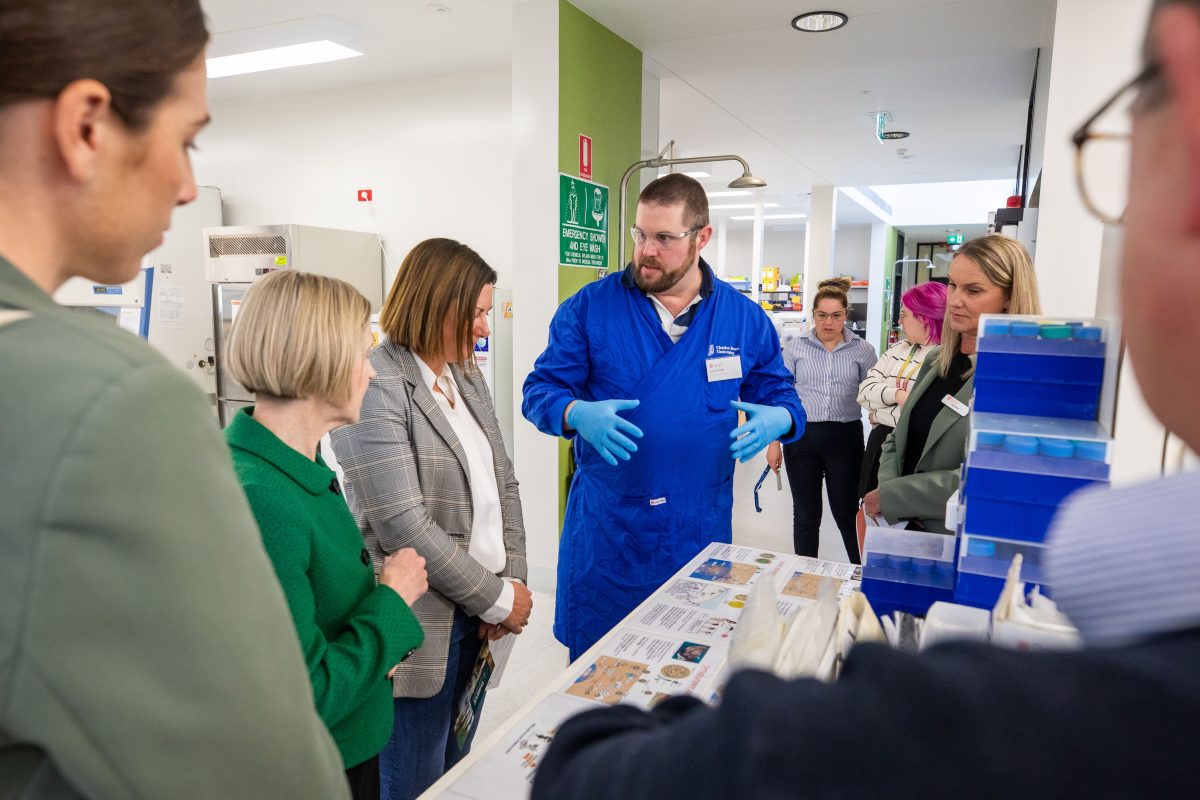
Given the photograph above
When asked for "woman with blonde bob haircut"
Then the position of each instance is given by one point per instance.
(301, 343)
(919, 465)
(426, 468)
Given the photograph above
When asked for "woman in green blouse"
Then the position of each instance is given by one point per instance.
(300, 342)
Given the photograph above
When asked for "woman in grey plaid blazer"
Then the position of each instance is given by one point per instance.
(425, 467)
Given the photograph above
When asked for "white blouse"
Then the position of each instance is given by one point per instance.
(487, 525)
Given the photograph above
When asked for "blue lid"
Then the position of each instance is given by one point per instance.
(1023, 328)
(981, 547)
(923, 566)
(1089, 333)
(877, 559)
(1075, 324)
(990, 439)
(1021, 445)
(1057, 448)
(996, 327)
(1090, 451)
(899, 562)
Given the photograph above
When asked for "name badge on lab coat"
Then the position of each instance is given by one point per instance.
(723, 369)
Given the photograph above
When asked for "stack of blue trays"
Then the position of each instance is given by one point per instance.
(1044, 369)
(1034, 440)
(907, 570)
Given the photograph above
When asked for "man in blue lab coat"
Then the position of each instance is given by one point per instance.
(1115, 719)
(647, 366)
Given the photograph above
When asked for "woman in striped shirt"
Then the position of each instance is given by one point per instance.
(886, 387)
(828, 364)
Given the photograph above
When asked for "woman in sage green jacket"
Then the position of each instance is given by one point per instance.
(921, 459)
(300, 342)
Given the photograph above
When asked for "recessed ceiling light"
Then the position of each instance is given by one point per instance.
(734, 206)
(733, 193)
(312, 40)
(819, 21)
(295, 55)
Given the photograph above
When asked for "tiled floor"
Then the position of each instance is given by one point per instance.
(538, 659)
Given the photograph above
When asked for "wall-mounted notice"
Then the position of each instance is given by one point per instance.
(583, 217)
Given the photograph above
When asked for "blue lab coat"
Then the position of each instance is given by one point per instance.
(629, 527)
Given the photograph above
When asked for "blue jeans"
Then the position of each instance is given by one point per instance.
(423, 746)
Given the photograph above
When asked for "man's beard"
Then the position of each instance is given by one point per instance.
(666, 279)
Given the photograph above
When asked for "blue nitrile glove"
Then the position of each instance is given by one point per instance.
(764, 424)
(599, 425)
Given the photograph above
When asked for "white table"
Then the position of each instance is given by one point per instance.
(675, 642)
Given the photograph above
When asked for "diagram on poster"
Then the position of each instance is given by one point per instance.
(806, 585)
(508, 767)
(640, 669)
(728, 572)
(714, 625)
(698, 593)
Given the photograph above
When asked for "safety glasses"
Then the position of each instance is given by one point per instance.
(757, 486)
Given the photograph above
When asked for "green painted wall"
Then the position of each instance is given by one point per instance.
(599, 95)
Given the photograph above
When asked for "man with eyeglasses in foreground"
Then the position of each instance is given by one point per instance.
(649, 367)
(1116, 719)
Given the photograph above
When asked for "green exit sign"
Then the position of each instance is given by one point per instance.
(954, 238)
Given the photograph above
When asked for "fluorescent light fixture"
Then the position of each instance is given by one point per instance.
(295, 55)
(733, 193)
(734, 206)
(772, 216)
(312, 40)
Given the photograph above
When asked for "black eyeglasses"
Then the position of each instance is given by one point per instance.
(1099, 147)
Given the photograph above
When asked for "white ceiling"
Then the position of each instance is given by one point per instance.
(403, 38)
(937, 233)
(735, 77)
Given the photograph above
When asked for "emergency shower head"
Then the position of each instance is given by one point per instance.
(747, 181)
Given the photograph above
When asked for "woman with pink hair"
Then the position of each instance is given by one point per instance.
(885, 388)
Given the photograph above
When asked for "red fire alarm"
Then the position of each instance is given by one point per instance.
(365, 195)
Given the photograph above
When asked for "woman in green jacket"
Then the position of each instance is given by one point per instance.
(920, 462)
(300, 342)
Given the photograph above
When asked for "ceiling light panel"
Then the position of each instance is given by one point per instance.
(772, 216)
(312, 40)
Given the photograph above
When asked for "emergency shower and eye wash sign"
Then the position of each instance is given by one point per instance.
(583, 218)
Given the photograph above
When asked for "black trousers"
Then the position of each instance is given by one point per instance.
(829, 451)
(868, 479)
(364, 780)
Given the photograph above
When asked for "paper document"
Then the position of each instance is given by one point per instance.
(643, 670)
(489, 666)
(507, 769)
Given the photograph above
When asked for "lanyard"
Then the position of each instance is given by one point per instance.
(901, 378)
